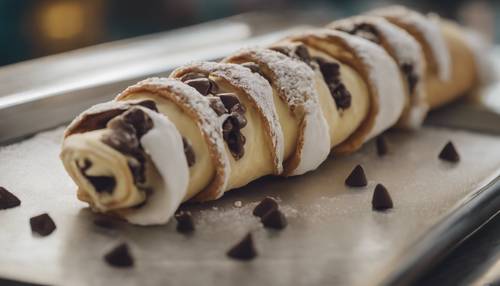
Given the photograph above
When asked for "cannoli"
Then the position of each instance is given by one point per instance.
(278, 110)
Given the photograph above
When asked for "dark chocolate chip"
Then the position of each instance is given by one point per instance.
(121, 140)
(202, 85)
(120, 256)
(139, 119)
(189, 152)
(227, 127)
(243, 250)
(137, 169)
(228, 99)
(189, 76)
(330, 71)
(235, 141)
(381, 144)
(252, 66)
(449, 153)
(185, 222)
(357, 178)
(214, 88)
(102, 184)
(150, 104)
(302, 53)
(42, 224)
(238, 120)
(217, 105)
(266, 205)
(381, 198)
(7, 199)
(283, 50)
(119, 124)
(411, 78)
(342, 96)
(274, 219)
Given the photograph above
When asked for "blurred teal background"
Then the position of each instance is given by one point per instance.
(34, 28)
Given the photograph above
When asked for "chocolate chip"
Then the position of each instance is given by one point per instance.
(411, 78)
(42, 224)
(238, 120)
(189, 152)
(150, 104)
(274, 219)
(266, 205)
(139, 119)
(235, 141)
(7, 199)
(227, 127)
(202, 85)
(102, 184)
(214, 88)
(137, 169)
(217, 105)
(121, 139)
(228, 99)
(302, 53)
(341, 96)
(120, 256)
(449, 153)
(381, 199)
(252, 66)
(243, 250)
(381, 144)
(357, 178)
(283, 50)
(189, 76)
(330, 70)
(185, 222)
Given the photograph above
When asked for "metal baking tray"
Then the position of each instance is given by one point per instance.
(333, 236)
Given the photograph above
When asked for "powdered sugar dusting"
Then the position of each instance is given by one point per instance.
(257, 88)
(208, 122)
(429, 28)
(406, 51)
(295, 81)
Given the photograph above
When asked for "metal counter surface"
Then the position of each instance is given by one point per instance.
(333, 236)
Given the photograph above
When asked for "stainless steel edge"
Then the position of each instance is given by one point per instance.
(83, 78)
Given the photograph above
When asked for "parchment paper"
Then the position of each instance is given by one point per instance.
(333, 236)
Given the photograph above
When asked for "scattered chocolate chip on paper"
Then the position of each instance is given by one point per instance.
(274, 219)
(120, 256)
(449, 153)
(185, 222)
(8, 200)
(381, 198)
(357, 178)
(381, 144)
(243, 250)
(42, 224)
(266, 205)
